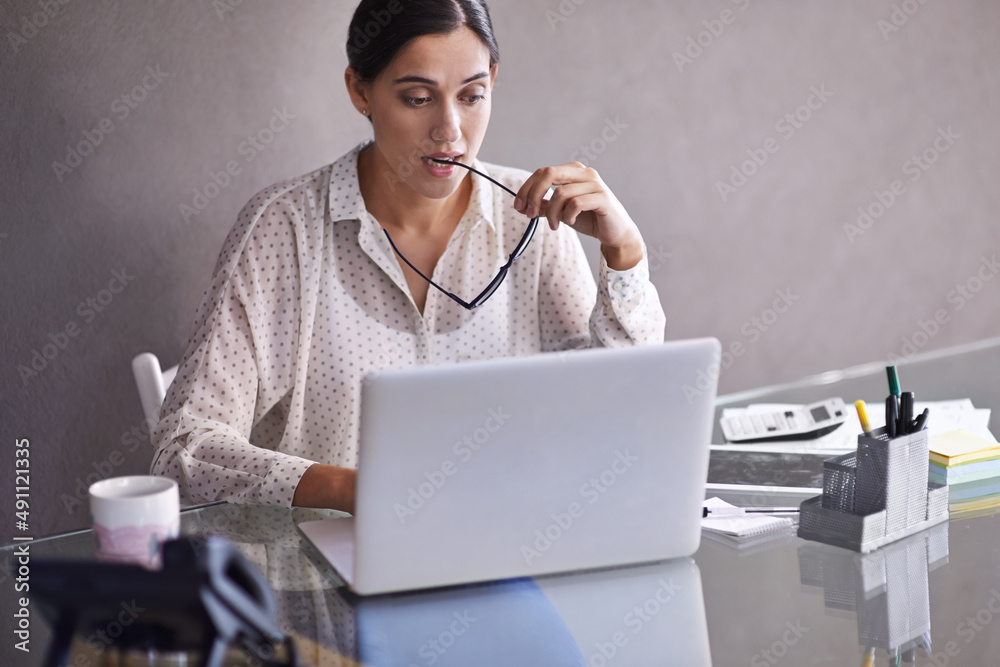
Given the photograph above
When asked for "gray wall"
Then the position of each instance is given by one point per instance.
(663, 133)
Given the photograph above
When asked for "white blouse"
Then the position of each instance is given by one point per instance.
(308, 296)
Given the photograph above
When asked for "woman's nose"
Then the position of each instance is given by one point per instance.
(447, 128)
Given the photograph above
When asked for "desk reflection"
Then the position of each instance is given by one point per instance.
(651, 614)
(646, 615)
(887, 589)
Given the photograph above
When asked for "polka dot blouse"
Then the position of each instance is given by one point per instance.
(308, 296)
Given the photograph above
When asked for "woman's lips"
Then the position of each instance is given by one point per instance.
(439, 169)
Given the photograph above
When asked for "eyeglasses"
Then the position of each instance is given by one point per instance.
(495, 283)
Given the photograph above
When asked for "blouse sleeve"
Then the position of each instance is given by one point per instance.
(624, 306)
(238, 367)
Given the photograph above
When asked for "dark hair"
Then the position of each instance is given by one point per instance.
(381, 28)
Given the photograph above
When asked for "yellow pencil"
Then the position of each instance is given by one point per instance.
(863, 416)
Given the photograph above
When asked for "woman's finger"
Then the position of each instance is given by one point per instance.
(532, 192)
(556, 207)
(585, 203)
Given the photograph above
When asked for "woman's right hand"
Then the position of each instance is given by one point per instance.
(327, 487)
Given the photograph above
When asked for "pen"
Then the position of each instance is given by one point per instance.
(869, 657)
(922, 420)
(739, 511)
(893, 426)
(863, 416)
(905, 425)
(891, 415)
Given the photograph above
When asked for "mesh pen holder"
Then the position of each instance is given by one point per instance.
(876, 495)
(839, 476)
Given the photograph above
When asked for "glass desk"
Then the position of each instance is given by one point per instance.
(784, 602)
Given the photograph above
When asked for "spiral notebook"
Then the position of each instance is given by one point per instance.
(743, 526)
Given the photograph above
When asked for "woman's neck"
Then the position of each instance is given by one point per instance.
(394, 204)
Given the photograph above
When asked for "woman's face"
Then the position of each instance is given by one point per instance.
(433, 100)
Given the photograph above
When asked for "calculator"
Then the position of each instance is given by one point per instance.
(804, 422)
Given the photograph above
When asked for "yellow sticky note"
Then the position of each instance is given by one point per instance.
(959, 446)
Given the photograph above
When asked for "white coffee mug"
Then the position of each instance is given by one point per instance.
(133, 516)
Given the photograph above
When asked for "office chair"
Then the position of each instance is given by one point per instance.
(152, 383)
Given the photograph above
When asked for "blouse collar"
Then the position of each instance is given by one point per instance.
(346, 203)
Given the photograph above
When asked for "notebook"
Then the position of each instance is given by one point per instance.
(742, 525)
(525, 466)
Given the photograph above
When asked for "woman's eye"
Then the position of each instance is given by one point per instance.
(474, 99)
(416, 101)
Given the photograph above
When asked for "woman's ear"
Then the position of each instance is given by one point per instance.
(358, 90)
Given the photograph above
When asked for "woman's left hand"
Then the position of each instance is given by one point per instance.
(583, 201)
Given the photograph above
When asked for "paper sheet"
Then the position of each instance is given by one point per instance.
(945, 416)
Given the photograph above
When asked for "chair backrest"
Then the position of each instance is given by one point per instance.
(152, 383)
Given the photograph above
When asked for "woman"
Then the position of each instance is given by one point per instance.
(325, 278)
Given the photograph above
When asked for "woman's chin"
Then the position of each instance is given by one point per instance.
(436, 188)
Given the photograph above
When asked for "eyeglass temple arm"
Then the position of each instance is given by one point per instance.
(476, 171)
(491, 180)
(494, 182)
(474, 303)
(420, 273)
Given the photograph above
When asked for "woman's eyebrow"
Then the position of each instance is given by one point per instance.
(430, 82)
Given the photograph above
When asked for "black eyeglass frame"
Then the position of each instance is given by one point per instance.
(494, 284)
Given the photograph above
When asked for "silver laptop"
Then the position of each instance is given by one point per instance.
(527, 466)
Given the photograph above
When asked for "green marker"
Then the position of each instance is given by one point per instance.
(890, 371)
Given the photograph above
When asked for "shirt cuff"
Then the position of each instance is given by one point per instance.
(624, 290)
(278, 487)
